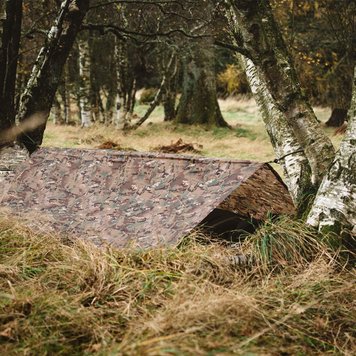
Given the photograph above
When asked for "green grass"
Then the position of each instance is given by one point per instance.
(248, 133)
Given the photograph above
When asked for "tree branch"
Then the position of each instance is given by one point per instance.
(122, 31)
(233, 48)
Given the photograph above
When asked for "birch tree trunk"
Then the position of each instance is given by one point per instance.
(9, 50)
(38, 96)
(334, 208)
(198, 103)
(121, 73)
(260, 36)
(84, 89)
(295, 164)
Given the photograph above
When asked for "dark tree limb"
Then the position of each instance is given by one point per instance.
(233, 48)
(9, 49)
(38, 96)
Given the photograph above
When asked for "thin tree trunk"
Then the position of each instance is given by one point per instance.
(198, 103)
(97, 109)
(9, 50)
(85, 87)
(342, 91)
(58, 118)
(125, 84)
(122, 74)
(38, 96)
(295, 164)
(334, 208)
(170, 95)
(169, 100)
(337, 117)
(110, 105)
(264, 42)
(167, 73)
(133, 97)
(65, 94)
(101, 109)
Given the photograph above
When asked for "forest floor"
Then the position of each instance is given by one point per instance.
(71, 298)
(247, 140)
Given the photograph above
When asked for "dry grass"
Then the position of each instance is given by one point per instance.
(238, 143)
(247, 140)
(72, 298)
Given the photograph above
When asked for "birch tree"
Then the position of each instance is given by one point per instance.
(64, 94)
(334, 208)
(261, 39)
(57, 112)
(290, 120)
(288, 150)
(84, 89)
(39, 93)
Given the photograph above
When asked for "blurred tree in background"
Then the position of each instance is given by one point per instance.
(321, 36)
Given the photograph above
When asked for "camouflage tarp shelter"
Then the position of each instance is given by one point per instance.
(141, 198)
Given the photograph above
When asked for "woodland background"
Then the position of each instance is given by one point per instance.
(125, 47)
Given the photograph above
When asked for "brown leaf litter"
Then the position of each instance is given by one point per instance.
(179, 147)
(111, 145)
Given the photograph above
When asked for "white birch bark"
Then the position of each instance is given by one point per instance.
(37, 98)
(295, 164)
(253, 24)
(334, 208)
(84, 72)
(121, 113)
(36, 73)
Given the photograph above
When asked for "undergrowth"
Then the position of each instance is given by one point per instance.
(69, 297)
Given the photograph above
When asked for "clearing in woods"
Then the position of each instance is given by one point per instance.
(69, 297)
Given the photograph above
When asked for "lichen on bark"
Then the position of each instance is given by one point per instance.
(42, 85)
(295, 164)
(263, 41)
(334, 208)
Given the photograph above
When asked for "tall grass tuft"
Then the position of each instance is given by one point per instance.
(284, 242)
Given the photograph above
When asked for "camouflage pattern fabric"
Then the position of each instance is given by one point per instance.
(10, 158)
(122, 198)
